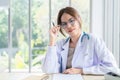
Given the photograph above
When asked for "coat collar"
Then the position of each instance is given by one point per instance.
(66, 43)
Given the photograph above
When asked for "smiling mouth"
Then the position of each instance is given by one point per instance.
(71, 30)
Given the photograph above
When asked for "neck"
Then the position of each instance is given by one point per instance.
(75, 38)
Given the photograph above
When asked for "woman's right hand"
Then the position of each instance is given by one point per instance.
(53, 35)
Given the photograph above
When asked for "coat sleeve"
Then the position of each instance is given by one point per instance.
(52, 61)
(106, 60)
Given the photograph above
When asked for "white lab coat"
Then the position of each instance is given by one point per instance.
(91, 55)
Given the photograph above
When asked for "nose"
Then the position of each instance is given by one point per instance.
(68, 25)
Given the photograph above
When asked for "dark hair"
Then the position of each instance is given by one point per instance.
(71, 11)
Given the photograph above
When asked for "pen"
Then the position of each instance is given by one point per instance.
(53, 24)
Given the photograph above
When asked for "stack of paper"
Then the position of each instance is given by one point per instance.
(67, 77)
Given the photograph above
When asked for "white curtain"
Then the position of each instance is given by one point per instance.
(105, 22)
(112, 27)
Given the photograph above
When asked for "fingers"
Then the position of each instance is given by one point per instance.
(73, 71)
(53, 35)
(55, 29)
(68, 71)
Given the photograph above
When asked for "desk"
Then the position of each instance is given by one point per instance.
(20, 76)
(37, 76)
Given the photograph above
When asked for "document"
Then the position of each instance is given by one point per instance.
(67, 77)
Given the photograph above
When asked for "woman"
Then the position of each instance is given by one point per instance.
(80, 53)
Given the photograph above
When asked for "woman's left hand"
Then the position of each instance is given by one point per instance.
(73, 71)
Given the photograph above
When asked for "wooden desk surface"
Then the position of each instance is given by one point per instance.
(93, 77)
(38, 76)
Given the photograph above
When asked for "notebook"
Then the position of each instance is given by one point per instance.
(67, 77)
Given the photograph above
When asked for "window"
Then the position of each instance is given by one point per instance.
(3, 38)
(23, 44)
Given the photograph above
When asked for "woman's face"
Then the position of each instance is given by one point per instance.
(70, 25)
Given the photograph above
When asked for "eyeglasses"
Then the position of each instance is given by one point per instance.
(65, 24)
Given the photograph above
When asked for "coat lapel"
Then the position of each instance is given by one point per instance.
(64, 53)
